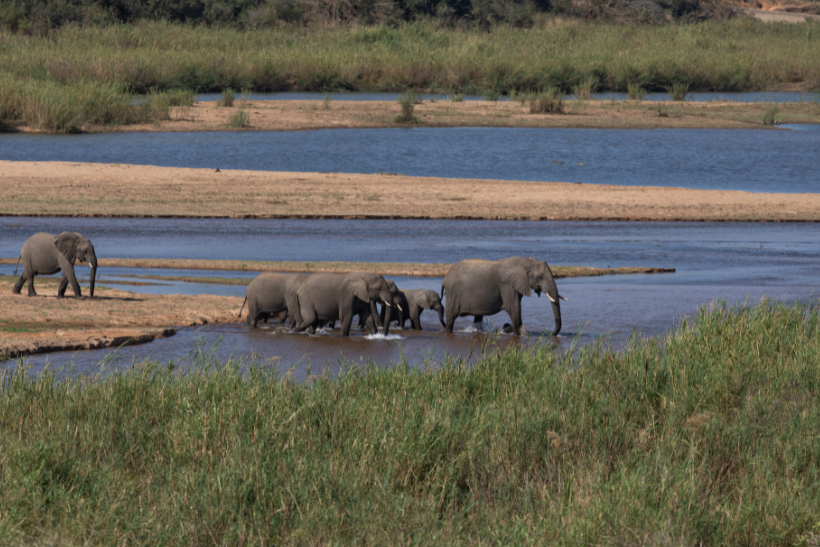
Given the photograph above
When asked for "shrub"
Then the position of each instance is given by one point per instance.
(490, 95)
(585, 89)
(769, 114)
(228, 96)
(547, 102)
(407, 103)
(677, 92)
(239, 119)
(636, 92)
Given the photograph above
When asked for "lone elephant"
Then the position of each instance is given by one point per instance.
(481, 287)
(326, 297)
(272, 293)
(46, 254)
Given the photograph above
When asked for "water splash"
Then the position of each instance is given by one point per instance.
(383, 337)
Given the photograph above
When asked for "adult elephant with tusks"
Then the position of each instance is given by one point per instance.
(482, 287)
(327, 297)
(46, 254)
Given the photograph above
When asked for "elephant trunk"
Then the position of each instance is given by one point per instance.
(440, 310)
(93, 263)
(552, 291)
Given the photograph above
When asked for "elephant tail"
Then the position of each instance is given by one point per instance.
(442, 289)
(18, 263)
(242, 308)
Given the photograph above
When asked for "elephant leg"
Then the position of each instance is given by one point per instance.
(63, 286)
(68, 271)
(19, 285)
(30, 279)
(415, 318)
(452, 314)
(478, 319)
(309, 319)
(371, 325)
(513, 308)
(347, 320)
(253, 313)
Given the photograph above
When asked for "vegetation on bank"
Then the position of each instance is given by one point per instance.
(74, 67)
(709, 435)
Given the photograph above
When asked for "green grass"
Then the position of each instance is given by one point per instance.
(407, 102)
(708, 435)
(769, 114)
(677, 92)
(239, 119)
(227, 99)
(547, 102)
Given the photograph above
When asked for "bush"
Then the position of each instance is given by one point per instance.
(547, 102)
(239, 119)
(636, 92)
(407, 103)
(228, 96)
(677, 92)
(769, 114)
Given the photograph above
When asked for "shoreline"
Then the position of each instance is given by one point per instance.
(314, 115)
(71, 189)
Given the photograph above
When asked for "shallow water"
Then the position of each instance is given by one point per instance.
(742, 97)
(714, 261)
(728, 159)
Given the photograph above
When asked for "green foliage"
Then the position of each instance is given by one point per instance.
(585, 89)
(677, 92)
(547, 102)
(490, 95)
(228, 96)
(457, 97)
(708, 435)
(407, 103)
(769, 114)
(636, 92)
(239, 119)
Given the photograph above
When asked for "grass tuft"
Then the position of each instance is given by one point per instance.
(228, 96)
(678, 92)
(547, 102)
(407, 103)
(769, 114)
(636, 92)
(240, 119)
(490, 95)
(585, 89)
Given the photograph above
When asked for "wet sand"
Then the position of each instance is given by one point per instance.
(112, 318)
(103, 190)
(590, 113)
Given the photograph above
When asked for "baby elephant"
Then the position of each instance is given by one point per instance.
(271, 294)
(46, 254)
(419, 300)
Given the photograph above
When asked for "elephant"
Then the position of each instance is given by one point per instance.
(46, 254)
(411, 304)
(418, 300)
(481, 287)
(326, 297)
(398, 298)
(271, 294)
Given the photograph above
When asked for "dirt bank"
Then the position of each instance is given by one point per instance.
(607, 114)
(45, 323)
(101, 190)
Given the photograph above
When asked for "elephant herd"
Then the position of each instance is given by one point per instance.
(471, 287)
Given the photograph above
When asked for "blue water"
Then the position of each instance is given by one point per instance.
(786, 160)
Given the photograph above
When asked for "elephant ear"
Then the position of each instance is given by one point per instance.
(515, 274)
(358, 287)
(66, 243)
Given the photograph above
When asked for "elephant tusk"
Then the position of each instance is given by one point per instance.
(551, 298)
(399, 307)
(562, 298)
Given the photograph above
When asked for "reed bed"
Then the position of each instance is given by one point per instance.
(707, 435)
(732, 55)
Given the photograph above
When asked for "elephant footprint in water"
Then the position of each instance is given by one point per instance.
(47, 254)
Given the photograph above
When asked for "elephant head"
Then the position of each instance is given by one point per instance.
(431, 301)
(528, 274)
(75, 247)
(373, 288)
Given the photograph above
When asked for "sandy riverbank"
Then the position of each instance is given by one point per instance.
(112, 318)
(606, 114)
(102, 190)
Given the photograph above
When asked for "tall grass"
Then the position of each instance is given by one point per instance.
(547, 102)
(408, 105)
(732, 55)
(707, 436)
(227, 99)
(54, 107)
(769, 114)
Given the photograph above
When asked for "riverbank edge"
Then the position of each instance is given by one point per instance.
(97, 190)
(99, 339)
